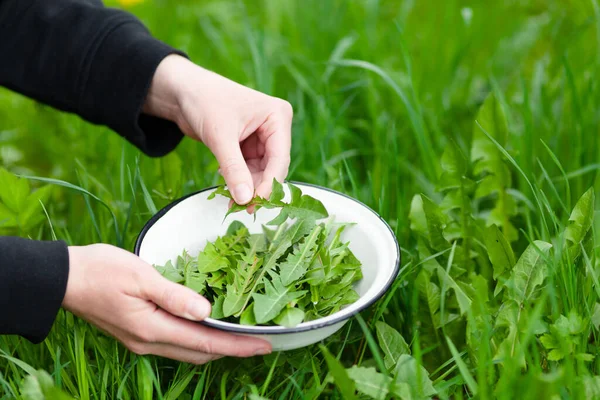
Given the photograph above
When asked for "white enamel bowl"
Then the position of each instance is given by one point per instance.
(191, 221)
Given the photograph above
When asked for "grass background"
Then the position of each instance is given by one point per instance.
(379, 90)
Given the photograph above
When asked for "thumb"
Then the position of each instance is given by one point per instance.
(177, 299)
(235, 171)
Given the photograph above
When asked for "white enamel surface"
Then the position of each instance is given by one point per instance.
(196, 220)
(296, 340)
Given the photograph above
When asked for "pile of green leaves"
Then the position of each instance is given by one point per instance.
(298, 269)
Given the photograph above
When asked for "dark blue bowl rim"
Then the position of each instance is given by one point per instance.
(268, 330)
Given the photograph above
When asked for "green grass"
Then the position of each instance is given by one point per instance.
(381, 90)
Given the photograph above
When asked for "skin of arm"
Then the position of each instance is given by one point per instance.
(249, 133)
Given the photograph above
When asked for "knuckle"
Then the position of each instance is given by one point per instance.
(139, 275)
(205, 346)
(230, 166)
(145, 336)
(286, 108)
(169, 298)
(136, 347)
(142, 334)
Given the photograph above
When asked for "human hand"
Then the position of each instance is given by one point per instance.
(128, 299)
(248, 132)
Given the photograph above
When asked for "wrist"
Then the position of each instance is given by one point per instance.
(162, 99)
(72, 295)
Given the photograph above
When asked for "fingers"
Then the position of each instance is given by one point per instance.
(276, 168)
(176, 299)
(253, 148)
(277, 151)
(234, 169)
(178, 353)
(181, 333)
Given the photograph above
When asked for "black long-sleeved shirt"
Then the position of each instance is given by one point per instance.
(80, 57)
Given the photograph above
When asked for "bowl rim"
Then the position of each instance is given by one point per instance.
(275, 330)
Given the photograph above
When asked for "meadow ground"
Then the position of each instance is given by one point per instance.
(498, 294)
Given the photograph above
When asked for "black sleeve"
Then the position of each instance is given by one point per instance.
(97, 62)
(84, 58)
(33, 280)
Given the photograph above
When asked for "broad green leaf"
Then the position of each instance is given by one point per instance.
(402, 391)
(453, 161)
(170, 272)
(217, 308)
(299, 229)
(340, 376)
(336, 247)
(564, 336)
(266, 268)
(580, 222)
(32, 212)
(296, 264)
(330, 291)
(490, 163)
(234, 227)
(234, 301)
(529, 273)
(464, 302)
(591, 385)
(548, 341)
(289, 317)
(247, 317)
(256, 243)
(452, 201)
(408, 371)
(14, 191)
(418, 221)
(236, 293)
(575, 323)
(509, 316)
(370, 382)
(349, 297)
(391, 342)
(267, 306)
(499, 251)
(209, 260)
(196, 281)
(8, 218)
(581, 218)
(230, 244)
(217, 279)
(491, 117)
(431, 292)
(436, 220)
(277, 193)
(221, 190)
(301, 206)
(40, 385)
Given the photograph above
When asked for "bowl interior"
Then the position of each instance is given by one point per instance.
(194, 220)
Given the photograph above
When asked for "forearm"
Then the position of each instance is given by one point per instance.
(33, 280)
(87, 59)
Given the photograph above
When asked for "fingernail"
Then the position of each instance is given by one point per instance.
(243, 194)
(200, 309)
(262, 352)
